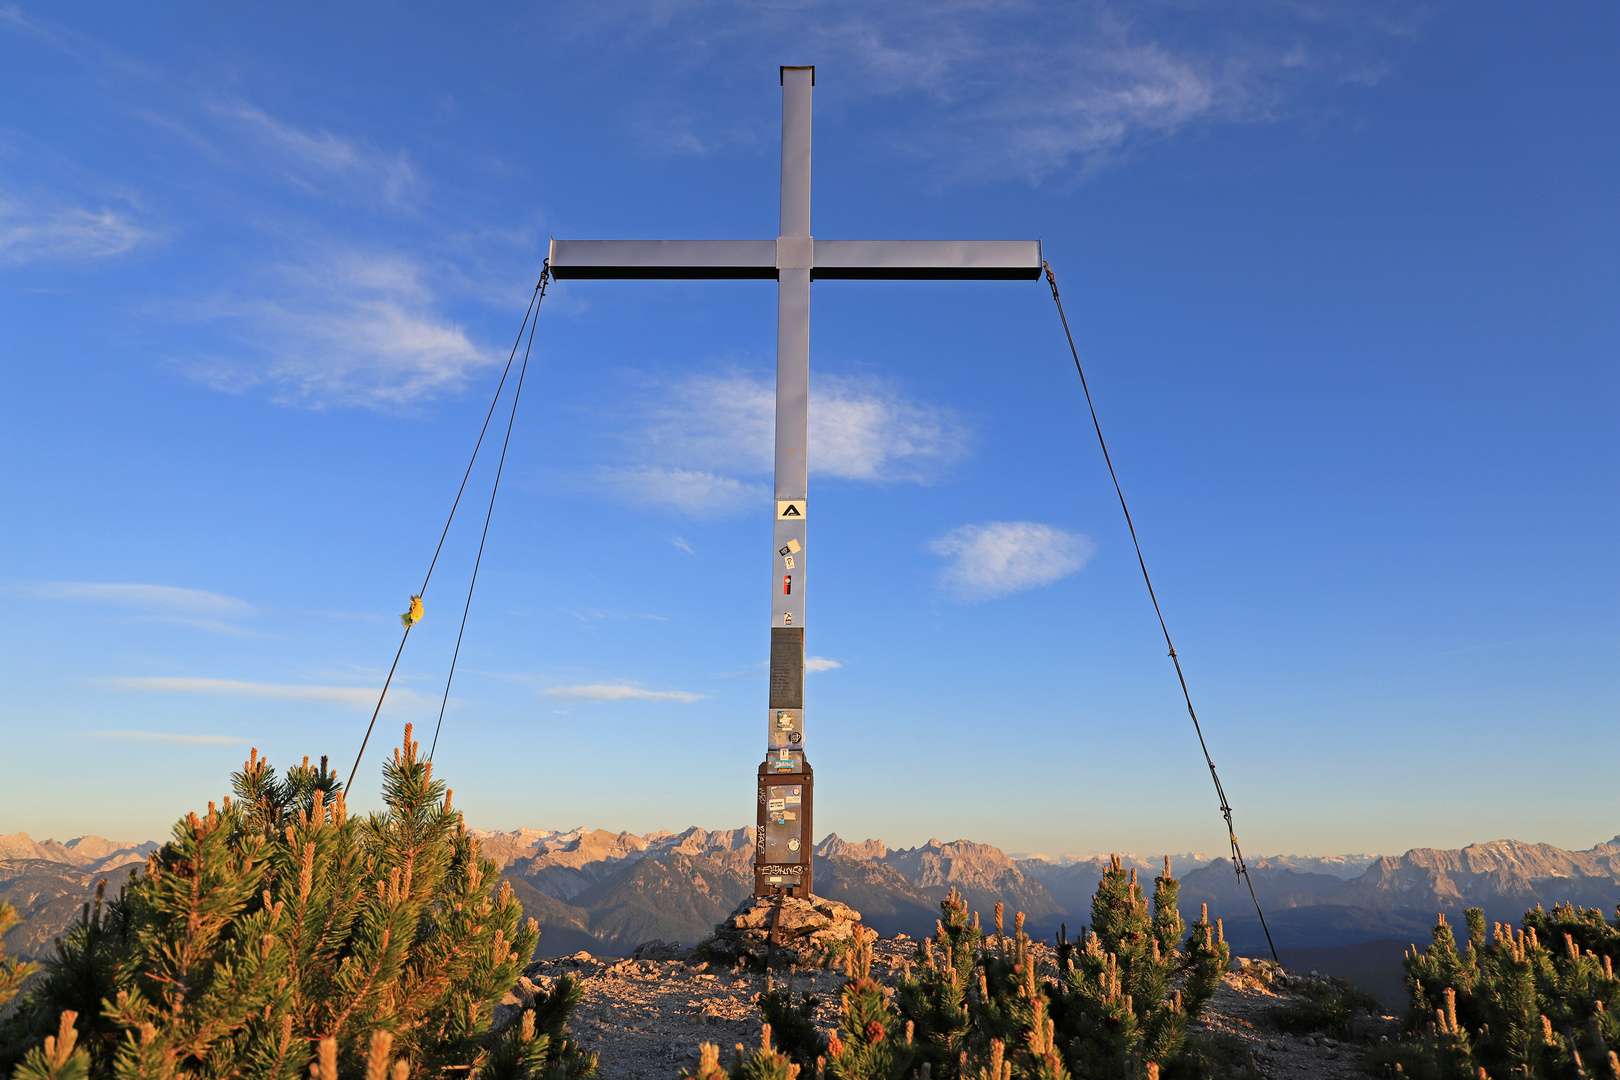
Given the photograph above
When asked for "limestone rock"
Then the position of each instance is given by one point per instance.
(804, 931)
(661, 950)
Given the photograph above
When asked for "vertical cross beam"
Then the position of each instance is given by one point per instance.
(782, 846)
(782, 858)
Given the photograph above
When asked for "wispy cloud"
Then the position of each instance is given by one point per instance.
(173, 738)
(31, 235)
(314, 160)
(169, 603)
(72, 43)
(354, 697)
(718, 421)
(619, 692)
(709, 434)
(687, 491)
(593, 615)
(163, 597)
(344, 328)
(1009, 88)
(813, 664)
(1001, 557)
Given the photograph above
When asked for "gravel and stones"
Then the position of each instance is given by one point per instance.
(646, 1017)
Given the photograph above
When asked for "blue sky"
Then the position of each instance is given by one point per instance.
(1343, 276)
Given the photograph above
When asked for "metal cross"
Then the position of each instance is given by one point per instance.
(782, 844)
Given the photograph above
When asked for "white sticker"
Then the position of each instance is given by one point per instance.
(790, 510)
(787, 562)
(793, 845)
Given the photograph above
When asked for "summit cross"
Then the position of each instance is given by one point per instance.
(782, 842)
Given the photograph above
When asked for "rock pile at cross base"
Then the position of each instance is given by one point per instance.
(804, 932)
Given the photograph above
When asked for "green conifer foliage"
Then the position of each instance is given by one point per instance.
(1538, 1001)
(1011, 1007)
(973, 1007)
(12, 972)
(276, 923)
(936, 999)
(58, 1058)
(535, 1045)
(1127, 993)
(792, 1023)
(873, 1041)
(766, 1063)
(87, 961)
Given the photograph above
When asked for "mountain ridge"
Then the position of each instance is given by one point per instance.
(607, 892)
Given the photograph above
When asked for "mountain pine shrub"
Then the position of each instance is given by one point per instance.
(277, 925)
(936, 999)
(76, 981)
(766, 1063)
(1330, 1006)
(874, 1041)
(972, 1006)
(1126, 993)
(12, 972)
(793, 1023)
(1539, 1001)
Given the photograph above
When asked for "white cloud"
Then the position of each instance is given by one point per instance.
(1002, 557)
(813, 664)
(344, 328)
(163, 737)
(28, 235)
(862, 429)
(706, 431)
(355, 697)
(619, 692)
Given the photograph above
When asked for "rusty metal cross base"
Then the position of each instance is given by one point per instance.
(782, 855)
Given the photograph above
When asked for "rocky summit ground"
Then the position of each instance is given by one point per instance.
(646, 1018)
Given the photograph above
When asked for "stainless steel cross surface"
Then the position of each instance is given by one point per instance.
(782, 857)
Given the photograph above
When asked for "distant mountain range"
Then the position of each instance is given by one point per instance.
(47, 882)
(608, 892)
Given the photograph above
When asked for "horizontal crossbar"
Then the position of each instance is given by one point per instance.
(961, 260)
(964, 260)
(663, 259)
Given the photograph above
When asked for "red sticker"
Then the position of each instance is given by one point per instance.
(787, 584)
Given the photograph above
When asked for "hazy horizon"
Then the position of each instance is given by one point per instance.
(1251, 858)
